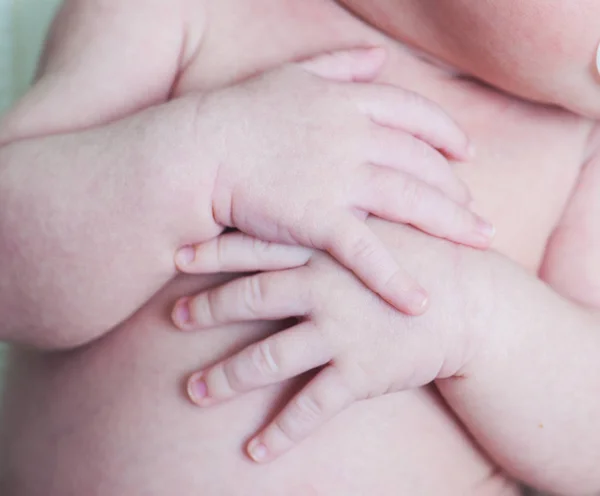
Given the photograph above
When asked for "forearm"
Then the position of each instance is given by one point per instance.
(522, 361)
(529, 395)
(90, 221)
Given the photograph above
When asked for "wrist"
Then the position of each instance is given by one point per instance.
(209, 146)
(460, 283)
(212, 142)
(476, 279)
(498, 300)
(184, 172)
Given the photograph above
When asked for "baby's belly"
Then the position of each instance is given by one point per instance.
(108, 421)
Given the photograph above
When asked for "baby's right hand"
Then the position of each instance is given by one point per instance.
(306, 152)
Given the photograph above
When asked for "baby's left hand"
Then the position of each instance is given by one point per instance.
(364, 347)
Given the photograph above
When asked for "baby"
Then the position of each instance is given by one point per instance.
(147, 177)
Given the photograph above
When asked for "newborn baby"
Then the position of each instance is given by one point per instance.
(504, 349)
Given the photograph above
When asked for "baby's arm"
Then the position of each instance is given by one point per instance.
(89, 222)
(531, 398)
(94, 209)
(517, 361)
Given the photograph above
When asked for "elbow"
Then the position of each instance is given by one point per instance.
(43, 302)
(45, 341)
(61, 341)
(49, 331)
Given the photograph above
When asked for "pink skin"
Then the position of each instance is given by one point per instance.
(566, 352)
(392, 167)
(539, 50)
(333, 334)
(369, 349)
(531, 76)
(400, 142)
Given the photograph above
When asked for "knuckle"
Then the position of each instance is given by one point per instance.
(235, 376)
(262, 250)
(392, 279)
(424, 104)
(287, 426)
(264, 359)
(356, 379)
(371, 180)
(259, 246)
(266, 252)
(413, 194)
(301, 413)
(202, 308)
(307, 408)
(412, 99)
(254, 293)
(424, 153)
(362, 247)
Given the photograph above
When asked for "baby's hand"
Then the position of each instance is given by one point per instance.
(306, 152)
(364, 346)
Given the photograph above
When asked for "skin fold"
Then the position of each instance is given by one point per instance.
(115, 399)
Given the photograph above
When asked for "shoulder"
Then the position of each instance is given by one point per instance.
(107, 59)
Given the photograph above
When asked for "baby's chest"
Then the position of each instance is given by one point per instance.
(527, 166)
(528, 157)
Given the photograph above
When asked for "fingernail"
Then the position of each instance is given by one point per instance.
(257, 451)
(197, 389)
(485, 228)
(182, 316)
(418, 301)
(185, 256)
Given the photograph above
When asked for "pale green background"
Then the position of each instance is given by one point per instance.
(23, 26)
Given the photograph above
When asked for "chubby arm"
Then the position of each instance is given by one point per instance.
(84, 193)
(531, 395)
(517, 361)
(107, 214)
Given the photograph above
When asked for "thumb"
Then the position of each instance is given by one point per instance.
(359, 64)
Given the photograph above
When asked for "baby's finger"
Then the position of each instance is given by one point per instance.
(397, 197)
(237, 252)
(360, 64)
(277, 358)
(323, 398)
(410, 112)
(402, 151)
(265, 296)
(355, 246)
